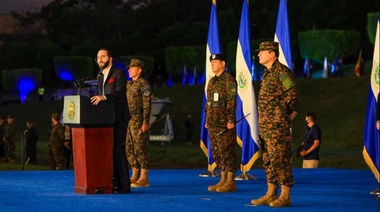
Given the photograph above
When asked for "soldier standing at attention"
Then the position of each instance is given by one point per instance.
(56, 143)
(220, 122)
(139, 101)
(276, 109)
(10, 138)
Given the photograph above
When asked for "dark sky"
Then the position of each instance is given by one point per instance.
(7, 5)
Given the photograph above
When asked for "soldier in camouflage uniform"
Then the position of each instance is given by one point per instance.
(56, 143)
(276, 108)
(220, 122)
(139, 101)
(10, 138)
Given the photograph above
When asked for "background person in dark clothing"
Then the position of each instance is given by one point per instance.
(189, 127)
(2, 144)
(31, 139)
(312, 141)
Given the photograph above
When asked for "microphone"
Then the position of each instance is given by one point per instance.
(100, 75)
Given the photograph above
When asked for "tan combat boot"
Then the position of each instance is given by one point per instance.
(142, 181)
(284, 199)
(135, 175)
(269, 197)
(223, 178)
(229, 185)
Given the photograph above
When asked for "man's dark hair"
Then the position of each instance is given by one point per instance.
(109, 52)
(312, 116)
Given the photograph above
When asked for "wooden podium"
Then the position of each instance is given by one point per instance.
(92, 136)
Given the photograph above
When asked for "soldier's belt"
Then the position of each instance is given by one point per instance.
(218, 104)
(134, 112)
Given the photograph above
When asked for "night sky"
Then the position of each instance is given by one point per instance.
(8, 5)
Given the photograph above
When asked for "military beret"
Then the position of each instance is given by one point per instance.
(136, 63)
(218, 57)
(268, 45)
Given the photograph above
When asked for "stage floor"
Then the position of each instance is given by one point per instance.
(319, 189)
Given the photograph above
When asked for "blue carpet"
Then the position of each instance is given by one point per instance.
(183, 190)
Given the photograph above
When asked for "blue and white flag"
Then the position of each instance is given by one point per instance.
(282, 35)
(371, 150)
(325, 68)
(246, 110)
(213, 47)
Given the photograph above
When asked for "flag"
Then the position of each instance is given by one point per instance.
(371, 150)
(213, 46)
(306, 68)
(282, 35)
(184, 75)
(357, 66)
(247, 129)
(325, 68)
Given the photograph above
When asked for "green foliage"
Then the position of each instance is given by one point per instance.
(318, 44)
(178, 57)
(76, 65)
(10, 78)
(372, 20)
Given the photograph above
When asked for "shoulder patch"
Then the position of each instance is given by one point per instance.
(287, 81)
(147, 93)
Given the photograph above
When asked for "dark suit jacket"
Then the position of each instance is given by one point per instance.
(115, 90)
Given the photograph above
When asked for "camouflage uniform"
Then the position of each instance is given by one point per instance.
(218, 113)
(139, 101)
(57, 148)
(9, 140)
(277, 100)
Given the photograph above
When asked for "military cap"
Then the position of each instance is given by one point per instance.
(10, 116)
(268, 45)
(2, 117)
(56, 116)
(136, 63)
(218, 57)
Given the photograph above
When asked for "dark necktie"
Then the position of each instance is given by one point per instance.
(100, 83)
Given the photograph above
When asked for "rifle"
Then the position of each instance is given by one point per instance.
(155, 122)
(237, 121)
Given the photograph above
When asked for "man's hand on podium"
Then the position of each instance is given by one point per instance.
(96, 99)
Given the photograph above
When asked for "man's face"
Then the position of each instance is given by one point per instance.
(9, 120)
(217, 66)
(265, 57)
(134, 72)
(103, 59)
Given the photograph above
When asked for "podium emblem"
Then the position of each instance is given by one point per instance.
(71, 110)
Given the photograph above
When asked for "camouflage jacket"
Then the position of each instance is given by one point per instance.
(10, 132)
(139, 98)
(57, 135)
(221, 100)
(277, 96)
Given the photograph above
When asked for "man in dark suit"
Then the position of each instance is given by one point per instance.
(112, 87)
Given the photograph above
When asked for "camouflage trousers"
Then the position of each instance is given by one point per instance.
(10, 148)
(57, 157)
(223, 143)
(277, 157)
(137, 145)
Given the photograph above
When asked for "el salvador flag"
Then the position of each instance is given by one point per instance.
(213, 47)
(282, 35)
(247, 128)
(371, 150)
